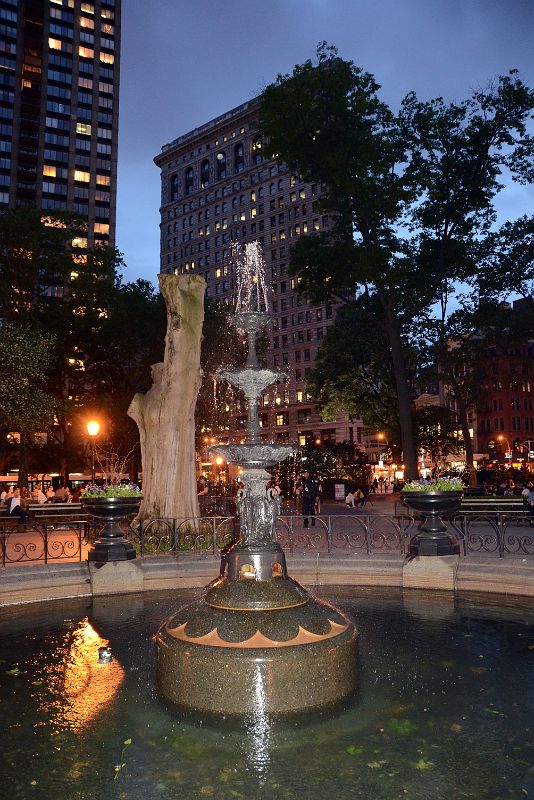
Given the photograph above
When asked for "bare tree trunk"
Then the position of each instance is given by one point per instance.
(165, 415)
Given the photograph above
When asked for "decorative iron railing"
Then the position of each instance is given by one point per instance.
(44, 543)
(490, 533)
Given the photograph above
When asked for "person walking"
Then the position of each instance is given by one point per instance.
(309, 493)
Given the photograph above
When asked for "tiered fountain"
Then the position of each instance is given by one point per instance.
(256, 642)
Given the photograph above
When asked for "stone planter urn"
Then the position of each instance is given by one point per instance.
(433, 539)
(111, 544)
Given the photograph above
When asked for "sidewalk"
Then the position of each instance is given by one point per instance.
(376, 504)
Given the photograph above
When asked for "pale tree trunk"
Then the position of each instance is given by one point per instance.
(165, 415)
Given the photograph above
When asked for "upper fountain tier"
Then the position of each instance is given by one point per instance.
(253, 455)
(252, 380)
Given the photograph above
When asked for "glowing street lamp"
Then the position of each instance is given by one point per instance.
(92, 429)
(508, 453)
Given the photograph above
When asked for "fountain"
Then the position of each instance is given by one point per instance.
(256, 642)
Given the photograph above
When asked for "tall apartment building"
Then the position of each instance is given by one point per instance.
(218, 188)
(59, 107)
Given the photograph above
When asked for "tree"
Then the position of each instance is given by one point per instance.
(119, 354)
(165, 415)
(35, 260)
(353, 372)
(437, 434)
(410, 194)
(25, 405)
(221, 347)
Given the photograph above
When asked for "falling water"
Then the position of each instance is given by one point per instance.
(249, 268)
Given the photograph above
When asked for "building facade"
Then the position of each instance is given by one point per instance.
(59, 106)
(217, 188)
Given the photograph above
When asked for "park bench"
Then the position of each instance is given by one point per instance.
(45, 515)
(482, 504)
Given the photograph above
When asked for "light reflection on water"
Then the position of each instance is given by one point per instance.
(258, 727)
(78, 687)
(445, 710)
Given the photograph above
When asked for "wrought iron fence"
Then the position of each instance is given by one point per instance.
(495, 534)
(194, 534)
(43, 543)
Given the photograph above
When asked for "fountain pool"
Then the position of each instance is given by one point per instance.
(444, 708)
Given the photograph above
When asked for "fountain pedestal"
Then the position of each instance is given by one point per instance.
(254, 646)
(256, 643)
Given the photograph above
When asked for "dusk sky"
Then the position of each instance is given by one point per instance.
(187, 61)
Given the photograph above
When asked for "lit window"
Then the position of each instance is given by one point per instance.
(86, 52)
(279, 419)
(79, 241)
(81, 176)
(82, 127)
(50, 222)
(87, 23)
(88, 8)
(54, 44)
(101, 227)
(50, 172)
(107, 58)
(106, 13)
(78, 258)
(300, 397)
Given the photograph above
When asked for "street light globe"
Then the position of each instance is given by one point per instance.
(93, 427)
(219, 461)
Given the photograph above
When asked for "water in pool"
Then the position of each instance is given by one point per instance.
(444, 709)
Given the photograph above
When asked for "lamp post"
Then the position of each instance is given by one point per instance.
(503, 439)
(92, 429)
(528, 445)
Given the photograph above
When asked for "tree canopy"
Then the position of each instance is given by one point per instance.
(410, 193)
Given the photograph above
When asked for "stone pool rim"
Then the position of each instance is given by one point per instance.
(513, 578)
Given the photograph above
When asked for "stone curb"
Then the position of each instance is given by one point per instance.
(36, 583)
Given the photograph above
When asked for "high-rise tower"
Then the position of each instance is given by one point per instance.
(59, 106)
(218, 188)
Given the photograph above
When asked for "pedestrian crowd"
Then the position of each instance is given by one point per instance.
(17, 500)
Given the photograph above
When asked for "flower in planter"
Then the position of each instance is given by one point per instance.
(112, 490)
(437, 485)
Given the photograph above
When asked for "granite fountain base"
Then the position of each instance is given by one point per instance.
(257, 643)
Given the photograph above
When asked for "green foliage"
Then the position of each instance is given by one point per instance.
(438, 485)
(221, 347)
(112, 490)
(410, 195)
(437, 433)
(25, 404)
(402, 727)
(35, 261)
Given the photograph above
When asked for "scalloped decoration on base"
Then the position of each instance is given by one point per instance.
(303, 637)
